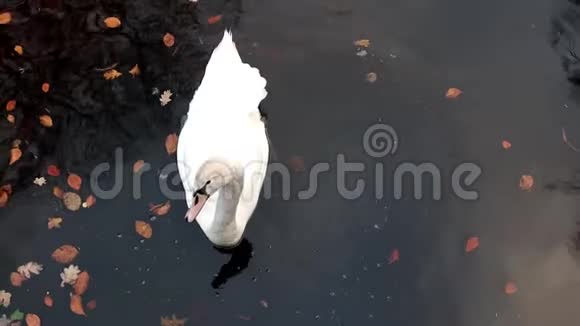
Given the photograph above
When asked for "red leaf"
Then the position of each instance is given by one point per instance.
(394, 257)
(214, 19)
(511, 288)
(53, 171)
(74, 181)
(472, 244)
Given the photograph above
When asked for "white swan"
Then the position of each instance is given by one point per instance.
(222, 153)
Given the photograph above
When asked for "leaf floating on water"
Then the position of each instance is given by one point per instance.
(453, 93)
(171, 144)
(15, 155)
(5, 298)
(371, 77)
(82, 283)
(135, 71)
(506, 144)
(165, 97)
(362, 43)
(138, 166)
(111, 74)
(45, 87)
(70, 275)
(92, 305)
(29, 269)
(53, 170)
(32, 320)
(173, 321)
(11, 118)
(16, 315)
(16, 279)
(143, 229)
(90, 201)
(45, 121)
(57, 192)
(160, 209)
(48, 301)
(54, 222)
(567, 142)
(472, 244)
(214, 19)
(526, 182)
(72, 201)
(511, 288)
(5, 192)
(74, 181)
(10, 105)
(112, 22)
(76, 305)
(19, 49)
(168, 40)
(65, 254)
(40, 181)
(5, 18)
(394, 257)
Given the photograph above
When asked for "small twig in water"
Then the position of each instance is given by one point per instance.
(107, 68)
(565, 138)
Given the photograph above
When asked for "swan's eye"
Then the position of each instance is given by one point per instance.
(208, 182)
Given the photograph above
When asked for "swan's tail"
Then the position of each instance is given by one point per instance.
(228, 78)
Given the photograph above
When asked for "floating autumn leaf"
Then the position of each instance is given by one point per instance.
(510, 288)
(135, 71)
(45, 120)
(45, 87)
(32, 320)
(48, 301)
(53, 170)
(10, 105)
(138, 166)
(29, 269)
(5, 299)
(54, 222)
(168, 40)
(11, 118)
(39, 181)
(371, 77)
(74, 181)
(92, 305)
(394, 257)
(90, 201)
(76, 305)
(15, 155)
(144, 229)
(57, 192)
(112, 22)
(165, 97)
(506, 144)
(362, 43)
(5, 18)
(5, 192)
(82, 283)
(171, 144)
(65, 254)
(453, 93)
(19, 49)
(72, 201)
(264, 303)
(471, 244)
(173, 321)
(526, 182)
(297, 163)
(69, 275)
(214, 19)
(16, 279)
(160, 209)
(111, 74)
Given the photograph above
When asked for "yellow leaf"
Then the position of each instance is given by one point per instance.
(135, 71)
(112, 22)
(15, 155)
(54, 222)
(111, 74)
(19, 49)
(143, 229)
(5, 18)
(363, 43)
(45, 121)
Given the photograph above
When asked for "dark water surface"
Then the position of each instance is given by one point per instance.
(324, 261)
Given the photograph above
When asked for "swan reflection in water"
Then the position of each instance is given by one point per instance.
(239, 261)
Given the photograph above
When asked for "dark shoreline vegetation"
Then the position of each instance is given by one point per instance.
(67, 45)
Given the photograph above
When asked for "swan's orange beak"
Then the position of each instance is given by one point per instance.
(198, 201)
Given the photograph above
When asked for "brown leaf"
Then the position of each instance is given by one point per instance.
(135, 71)
(32, 320)
(65, 254)
(144, 229)
(10, 105)
(138, 166)
(472, 244)
(173, 321)
(16, 279)
(54, 222)
(5, 18)
(171, 144)
(82, 283)
(90, 201)
(92, 305)
(53, 170)
(3, 198)
(76, 305)
(72, 201)
(453, 93)
(214, 19)
(45, 121)
(45, 87)
(15, 155)
(506, 144)
(19, 49)
(112, 22)
(160, 209)
(48, 301)
(111, 74)
(11, 118)
(57, 192)
(168, 40)
(511, 288)
(74, 181)
(371, 77)
(362, 43)
(526, 182)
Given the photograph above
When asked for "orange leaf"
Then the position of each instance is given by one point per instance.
(526, 182)
(214, 19)
(161, 209)
(82, 283)
(15, 155)
(112, 22)
(3, 198)
(90, 201)
(48, 301)
(16, 279)
(472, 244)
(53, 171)
(76, 305)
(362, 43)
(19, 49)
(6, 188)
(5, 18)
(506, 144)
(10, 105)
(135, 71)
(45, 87)
(171, 144)
(510, 288)
(11, 118)
(65, 254)
(394, 257)
(92, 305)
(144, 229)
(45, 121)
(453, 93)
(54, 222)
(74, 181)
(168, 40)
(32, 320)
(57, 192)
(138, 166)
(111, 74)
